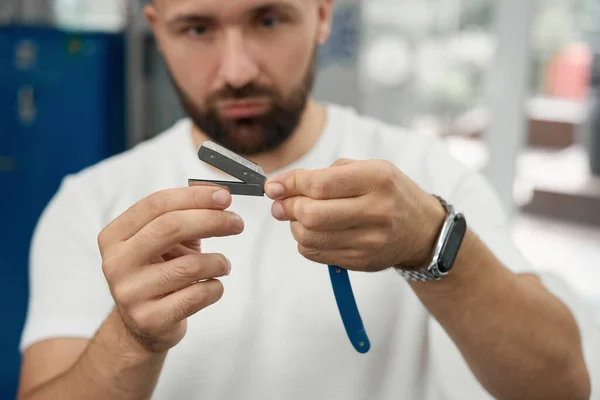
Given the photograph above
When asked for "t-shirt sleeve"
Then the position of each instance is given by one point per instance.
(68, 296)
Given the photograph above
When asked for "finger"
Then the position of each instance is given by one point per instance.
(368, 240)
(194, 245)
(330, 215)
(342, 181)
(184, 303)
(159, 280)
(204, 183)
(182, 249)
(348, 258)
(165, 232)
(160, 203)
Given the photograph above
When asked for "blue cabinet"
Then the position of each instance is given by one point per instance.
(61, 110)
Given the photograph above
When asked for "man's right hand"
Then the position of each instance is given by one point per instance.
(153, 265)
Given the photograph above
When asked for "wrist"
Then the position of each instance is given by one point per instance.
(117, 340)
(462, 273)
(475, 272)
(433, 216)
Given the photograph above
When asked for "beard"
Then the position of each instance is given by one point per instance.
(255, 135)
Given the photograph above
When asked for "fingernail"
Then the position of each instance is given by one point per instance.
(278, 211)
(228, 266)
(275, 190)
(238, 222)
(221, 198)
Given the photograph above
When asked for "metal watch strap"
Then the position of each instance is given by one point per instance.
(432, 273)
(418, 276)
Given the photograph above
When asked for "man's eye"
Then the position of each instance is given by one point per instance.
(269, 22)
(199, 30)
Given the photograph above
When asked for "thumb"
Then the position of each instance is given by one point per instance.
(343, 161)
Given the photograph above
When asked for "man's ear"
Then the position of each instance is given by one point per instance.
(325, 16)
(151, 14)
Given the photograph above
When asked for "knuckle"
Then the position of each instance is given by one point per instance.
(386, 172)
(157, 203)
(376, 241)
(102, 240)
(308, 215)
(389, 172)
(198, 197)
(304, 251)
(145, 320)
(294, 180)
(342, 162)
(218, 220)
(181, 270)
(122, 294)
(183, 309)
(351, 264)
(194, 299)
(207, 293)
(382, 213)
(308, 253)
(318, 188)
(108, 268)
(169, 225)
(300, 233)
(312, 221)
(357, 260)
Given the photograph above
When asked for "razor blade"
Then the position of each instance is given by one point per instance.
(251, 176)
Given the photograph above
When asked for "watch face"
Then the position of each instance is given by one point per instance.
(452, 245)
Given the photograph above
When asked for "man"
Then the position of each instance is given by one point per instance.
(127, 303)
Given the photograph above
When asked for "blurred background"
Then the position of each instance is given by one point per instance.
(511, 86)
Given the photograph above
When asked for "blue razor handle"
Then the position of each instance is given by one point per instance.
(342, 289)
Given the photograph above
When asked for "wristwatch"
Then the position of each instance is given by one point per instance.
(446, 249)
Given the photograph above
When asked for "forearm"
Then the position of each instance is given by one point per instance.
(113, 366)
(518, 339)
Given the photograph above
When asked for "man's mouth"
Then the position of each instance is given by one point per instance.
(243, 109)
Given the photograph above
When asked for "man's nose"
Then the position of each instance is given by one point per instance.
(238, 68)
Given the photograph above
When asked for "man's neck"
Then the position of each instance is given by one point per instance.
(300, 143)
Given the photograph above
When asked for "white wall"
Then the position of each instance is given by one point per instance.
(338, 77)
(508, 91)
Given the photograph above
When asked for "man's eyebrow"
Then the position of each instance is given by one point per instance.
(275, 6)
(190, 19)
(198, 18)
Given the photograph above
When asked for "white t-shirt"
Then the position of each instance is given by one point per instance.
(276, 333)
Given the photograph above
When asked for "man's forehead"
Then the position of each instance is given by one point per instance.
(173, 7)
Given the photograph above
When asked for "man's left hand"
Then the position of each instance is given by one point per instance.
(360, 215)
